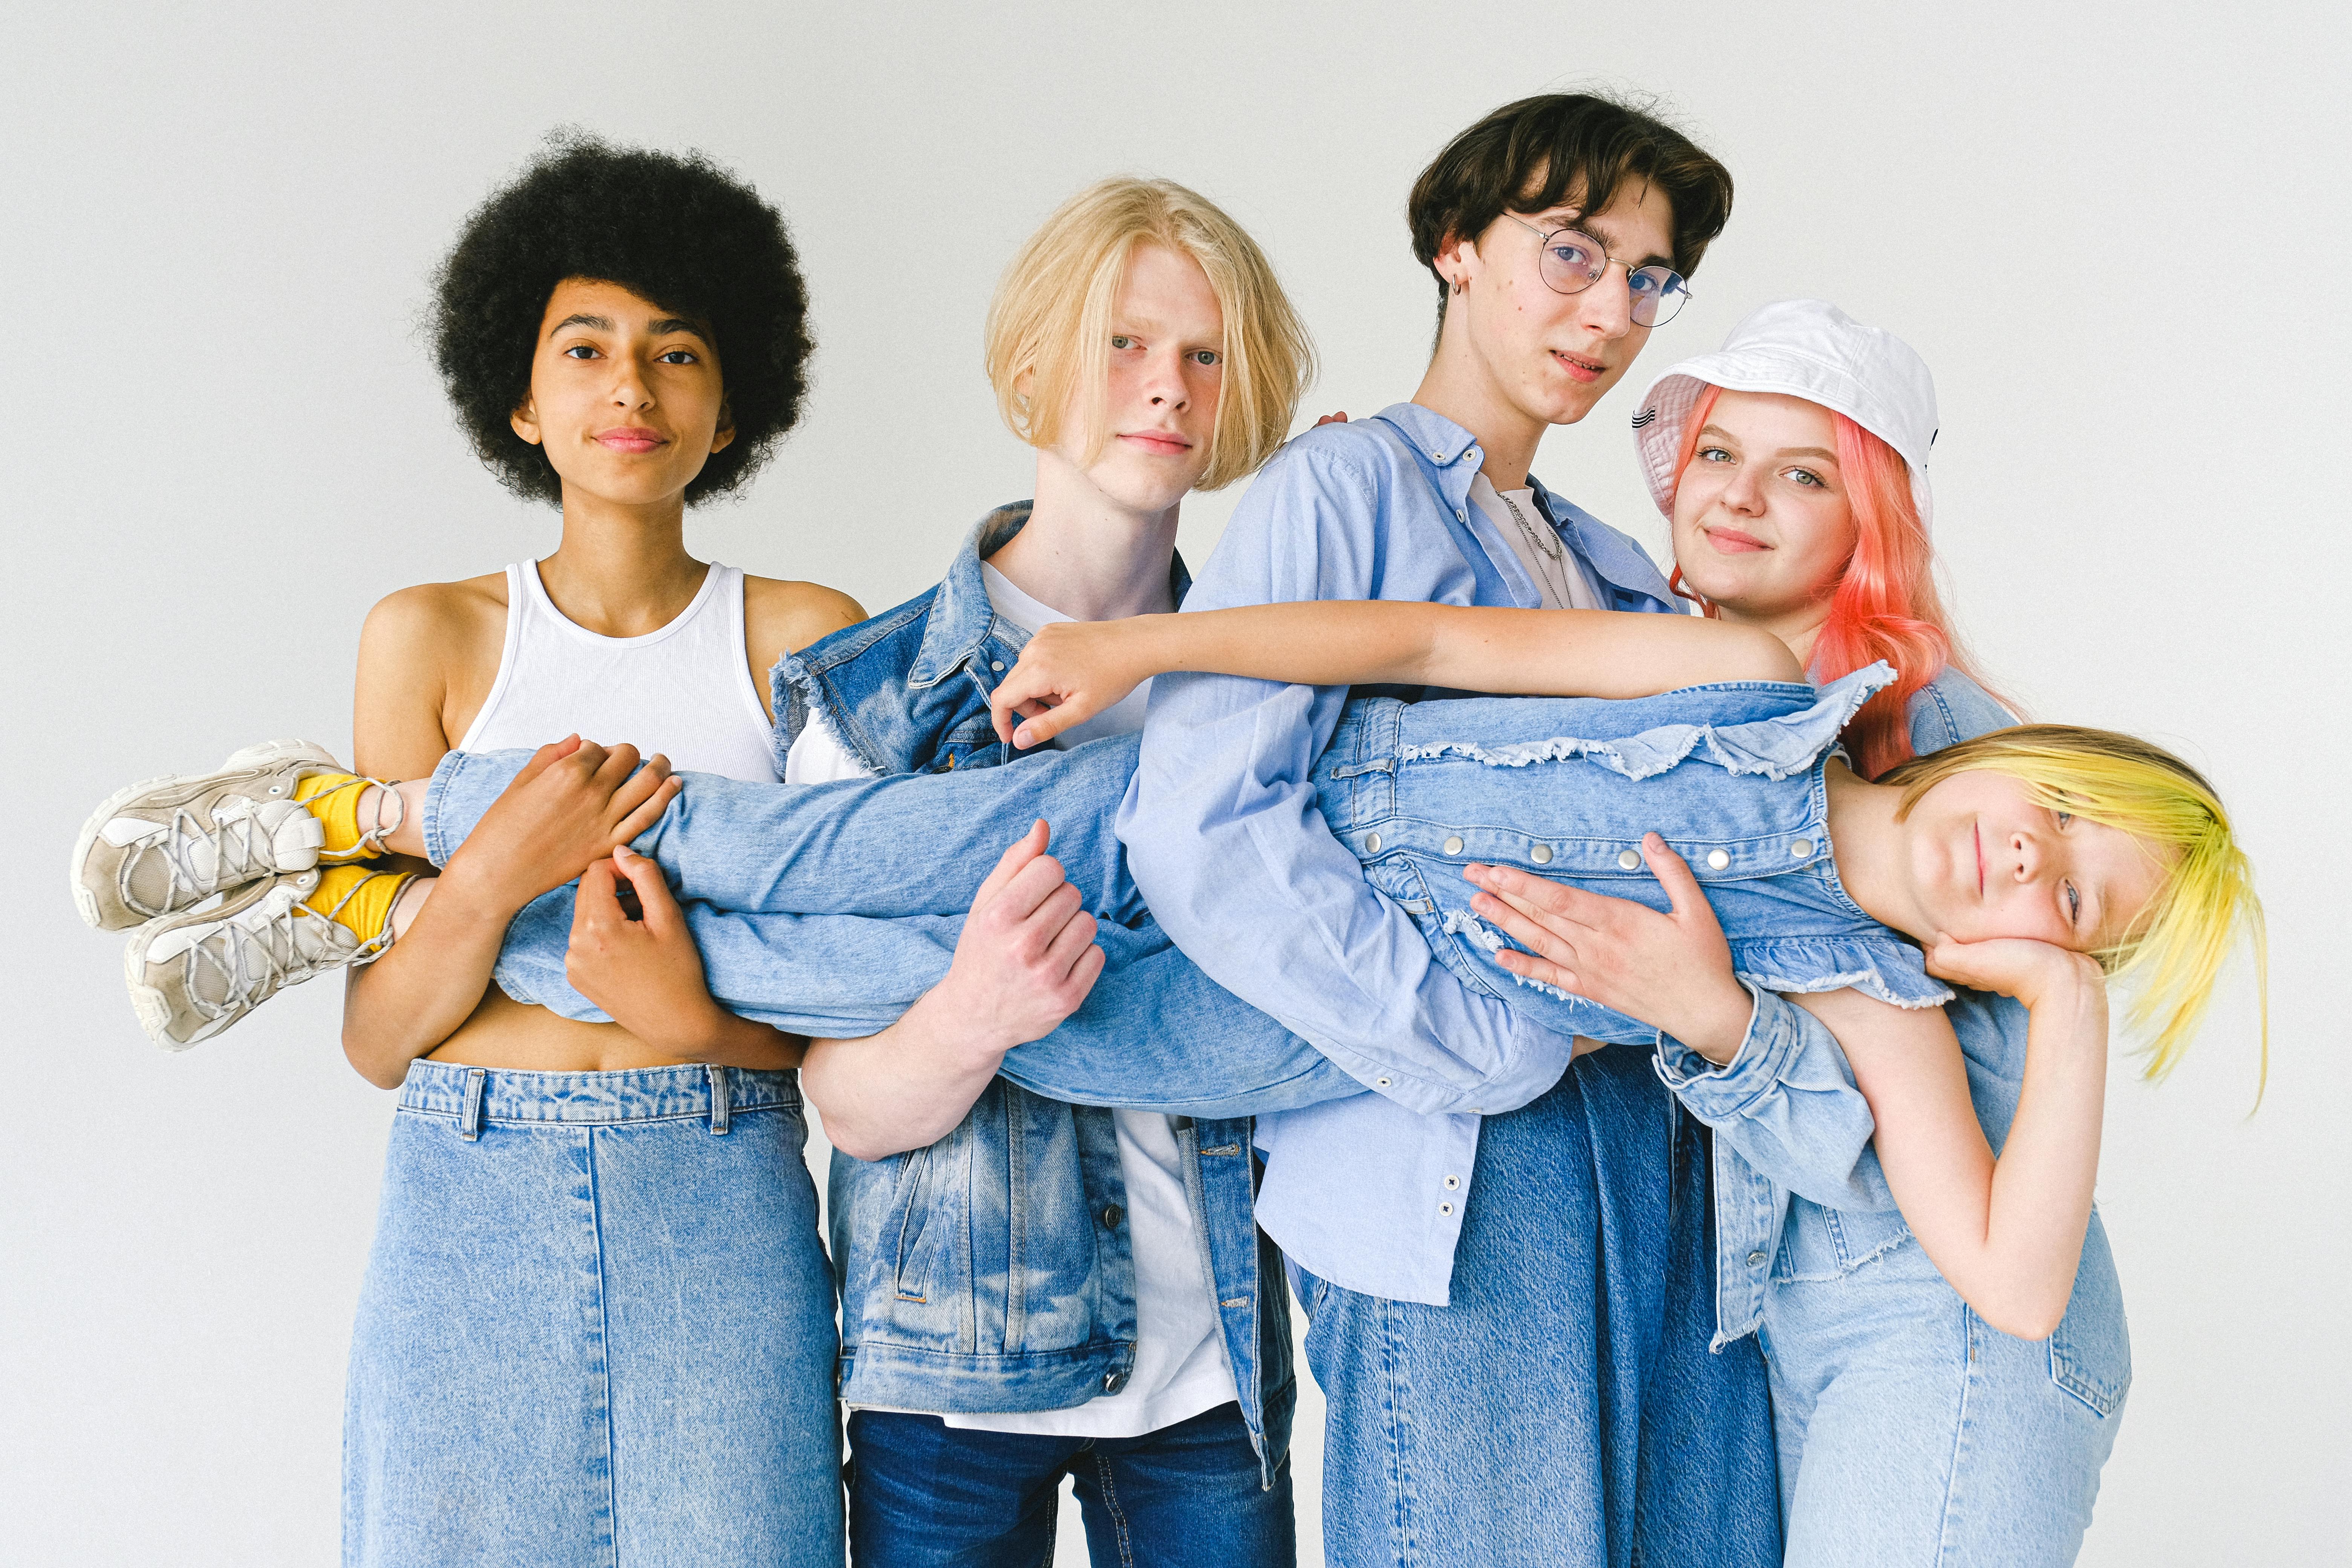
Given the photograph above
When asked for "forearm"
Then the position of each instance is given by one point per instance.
(904, 1088)
(2039, 1203)
(427, 983)
(1555, 653)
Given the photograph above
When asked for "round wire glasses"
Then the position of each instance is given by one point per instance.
(1572, 261)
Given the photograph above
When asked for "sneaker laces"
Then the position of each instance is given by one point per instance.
(253, 964)
(242, 850)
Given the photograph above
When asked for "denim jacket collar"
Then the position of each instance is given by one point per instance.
(1453, 457)
(961, 617)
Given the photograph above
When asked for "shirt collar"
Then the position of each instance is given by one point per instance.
(1623, 567)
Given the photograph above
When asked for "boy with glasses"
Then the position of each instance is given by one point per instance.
(1484, 1243)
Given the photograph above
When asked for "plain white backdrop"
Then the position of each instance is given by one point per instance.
(2117, 233)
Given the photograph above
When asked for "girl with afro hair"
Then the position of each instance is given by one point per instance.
(597, 1319)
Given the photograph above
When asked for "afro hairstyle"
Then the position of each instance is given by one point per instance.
(675, 228)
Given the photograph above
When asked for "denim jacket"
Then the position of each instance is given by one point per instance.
(991, 1271)
(1770, 1217)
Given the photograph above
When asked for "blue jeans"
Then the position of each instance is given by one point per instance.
(925, 1495)
(1911, 1433)
(881, 874)
(597, 1326)
(1562, 1412)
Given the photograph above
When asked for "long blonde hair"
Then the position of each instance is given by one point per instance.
(2176, 946)
(1049, 323)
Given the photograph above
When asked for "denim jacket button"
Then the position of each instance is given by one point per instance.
(1755, 1260)
(1454, 847)
(1718, 858)
(1540, 854)
(1112, 1381)
(1112, 1214)
(996, 664)
(1372, 843)
(1627, 860)
(1799, 849)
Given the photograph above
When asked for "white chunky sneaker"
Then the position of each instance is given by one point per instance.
(167, 845)
(194, 974)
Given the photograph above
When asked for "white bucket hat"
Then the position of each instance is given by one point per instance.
(1808, 348)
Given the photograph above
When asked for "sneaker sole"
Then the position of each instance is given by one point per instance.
(267, 753)
(154, 1012)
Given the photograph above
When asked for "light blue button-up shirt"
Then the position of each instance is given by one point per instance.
(1225, 841)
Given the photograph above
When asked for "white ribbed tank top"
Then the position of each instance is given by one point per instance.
(684, 691)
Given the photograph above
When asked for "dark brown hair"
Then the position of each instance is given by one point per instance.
(1530, 155)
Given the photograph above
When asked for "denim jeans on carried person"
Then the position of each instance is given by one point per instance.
(926, 1495)
(596, 1327)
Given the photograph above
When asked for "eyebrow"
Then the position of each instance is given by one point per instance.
(1608, 241)
(660, 326)
(1821, 452)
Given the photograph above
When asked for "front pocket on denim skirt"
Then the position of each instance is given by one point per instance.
(2090, 1355)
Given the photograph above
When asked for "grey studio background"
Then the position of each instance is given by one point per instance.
(2117, 233)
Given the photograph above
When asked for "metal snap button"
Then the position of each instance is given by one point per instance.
(1800, 847)
(1718, 858)
(1112, 1214)
(1627, 860)
(1755, 1260)
(1112, 1381)
(996, 664)
(1540, 854)
(1454, 847)
(1372, 843)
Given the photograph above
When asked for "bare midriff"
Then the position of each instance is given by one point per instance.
(521, 1037)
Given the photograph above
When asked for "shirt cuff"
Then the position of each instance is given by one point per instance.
(1719, 1094)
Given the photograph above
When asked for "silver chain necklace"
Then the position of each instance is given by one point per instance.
(1546, 543)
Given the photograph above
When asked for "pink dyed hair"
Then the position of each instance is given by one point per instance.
(1883, 604)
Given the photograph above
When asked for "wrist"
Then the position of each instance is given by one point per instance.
(1718, 1027)
(952, 1033)
(476, 886)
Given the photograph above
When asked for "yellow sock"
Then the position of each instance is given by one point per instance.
(334, 800)
(358, 899)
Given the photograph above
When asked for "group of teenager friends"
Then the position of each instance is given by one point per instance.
(1672, 1092)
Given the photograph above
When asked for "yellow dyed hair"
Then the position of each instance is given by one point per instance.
(1049, 324)
(2176, 947)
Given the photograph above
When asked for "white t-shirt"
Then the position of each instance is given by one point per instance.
(1180, 1365)
(1560, 578)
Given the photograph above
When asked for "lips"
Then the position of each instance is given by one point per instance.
(1581, 369)
(1732, 542)
(1160, 443)
(631, 439)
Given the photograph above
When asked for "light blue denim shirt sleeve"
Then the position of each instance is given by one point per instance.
(1224, 838)
(1220, 824)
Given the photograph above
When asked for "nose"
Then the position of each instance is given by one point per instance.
(1163, 380)
(630, 387)
(2027, 851)
(1741, 493)
(1607, 306)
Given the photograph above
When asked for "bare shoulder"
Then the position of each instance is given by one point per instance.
(437, 617)
(780, 615)
(428, 656)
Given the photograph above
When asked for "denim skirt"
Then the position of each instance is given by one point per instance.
(597, 1327)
